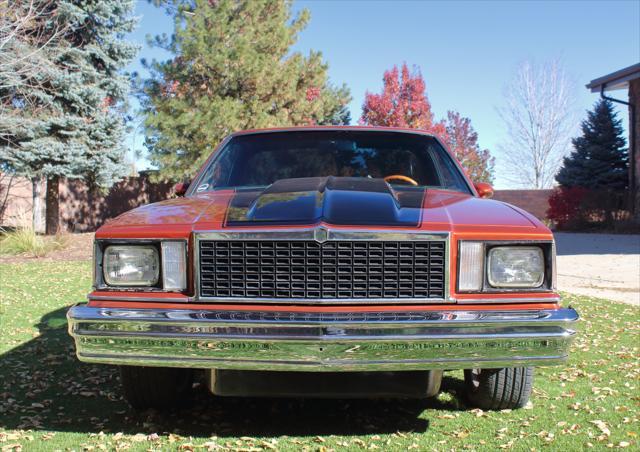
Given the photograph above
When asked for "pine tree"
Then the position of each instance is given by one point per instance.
(72, 123)
(600, 159)
(232, 69)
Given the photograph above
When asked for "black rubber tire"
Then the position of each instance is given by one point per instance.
(499, 389)
(155, 387)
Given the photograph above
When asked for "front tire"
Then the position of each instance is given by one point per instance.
(155, 387)
(499, 389)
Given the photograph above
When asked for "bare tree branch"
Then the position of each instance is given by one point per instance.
(539, 118)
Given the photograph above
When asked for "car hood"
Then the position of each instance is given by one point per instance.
(340, 201)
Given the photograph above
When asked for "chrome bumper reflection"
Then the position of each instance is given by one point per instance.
(445, 339)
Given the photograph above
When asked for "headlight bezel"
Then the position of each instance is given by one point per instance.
(548, 252)
(99, 280)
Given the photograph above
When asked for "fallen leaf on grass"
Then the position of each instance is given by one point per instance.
(12, 448)
(268, 445)
(546, 436)
(602, 426)
(461, 434)
(507, 445)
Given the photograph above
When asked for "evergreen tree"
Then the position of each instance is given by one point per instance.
(232, 69)
(72, 124)
(600, 159)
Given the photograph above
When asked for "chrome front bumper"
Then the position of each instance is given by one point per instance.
(247, 340)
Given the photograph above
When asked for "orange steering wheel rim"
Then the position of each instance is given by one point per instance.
(400, 177)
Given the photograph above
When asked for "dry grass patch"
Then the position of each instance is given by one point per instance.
(25, 241)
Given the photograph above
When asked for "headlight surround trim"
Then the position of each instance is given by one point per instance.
(548, 252)
(100, 246)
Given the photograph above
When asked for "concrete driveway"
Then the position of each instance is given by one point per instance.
(600, 265)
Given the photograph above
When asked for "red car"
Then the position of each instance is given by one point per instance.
(340, 261)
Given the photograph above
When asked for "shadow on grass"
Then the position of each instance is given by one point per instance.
(44, 387)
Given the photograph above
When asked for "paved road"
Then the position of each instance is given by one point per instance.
(601, 265)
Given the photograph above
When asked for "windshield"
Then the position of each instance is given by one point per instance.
(260, 159)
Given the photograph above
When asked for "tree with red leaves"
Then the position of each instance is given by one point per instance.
(462, 140)
(404, 103)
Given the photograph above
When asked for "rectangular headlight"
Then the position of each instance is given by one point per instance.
(137, 265)
(174, 266)
(515, 266)
(471, 273)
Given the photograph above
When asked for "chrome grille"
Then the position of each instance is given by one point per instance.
(306, 269)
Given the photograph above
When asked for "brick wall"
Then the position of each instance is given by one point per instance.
(535, 202)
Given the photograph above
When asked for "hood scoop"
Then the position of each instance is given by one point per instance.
(348, 201)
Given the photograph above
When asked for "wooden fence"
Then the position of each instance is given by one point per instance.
(84, 209)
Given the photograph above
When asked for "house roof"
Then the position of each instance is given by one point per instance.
(616, 80)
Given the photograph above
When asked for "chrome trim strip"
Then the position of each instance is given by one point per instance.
(322, 233)
(554, 266)
(321, 341)
(151, 299)
(311, 233)
(326, 365)
(508, 300)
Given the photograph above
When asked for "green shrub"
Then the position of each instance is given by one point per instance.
(26, 241)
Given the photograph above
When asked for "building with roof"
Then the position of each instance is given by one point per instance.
(626, 79)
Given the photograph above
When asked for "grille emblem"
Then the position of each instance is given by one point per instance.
(320, 235)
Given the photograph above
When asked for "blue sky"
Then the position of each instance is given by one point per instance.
(467, 50)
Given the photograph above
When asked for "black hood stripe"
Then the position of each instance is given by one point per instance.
(341, 201)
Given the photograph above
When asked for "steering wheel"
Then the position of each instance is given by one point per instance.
(400, 177)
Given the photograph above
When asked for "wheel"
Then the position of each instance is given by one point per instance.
(434, 381)
(155, 387)
(499, 389)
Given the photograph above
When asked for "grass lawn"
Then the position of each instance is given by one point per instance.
(50, 401)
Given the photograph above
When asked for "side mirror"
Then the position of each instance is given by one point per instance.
(484, 190)
(181, 188)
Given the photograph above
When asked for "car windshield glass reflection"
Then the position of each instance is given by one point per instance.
(258, 160)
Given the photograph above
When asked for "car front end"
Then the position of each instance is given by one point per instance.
(325, 275)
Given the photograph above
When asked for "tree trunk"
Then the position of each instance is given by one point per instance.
(36, 217)
(53, 205)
